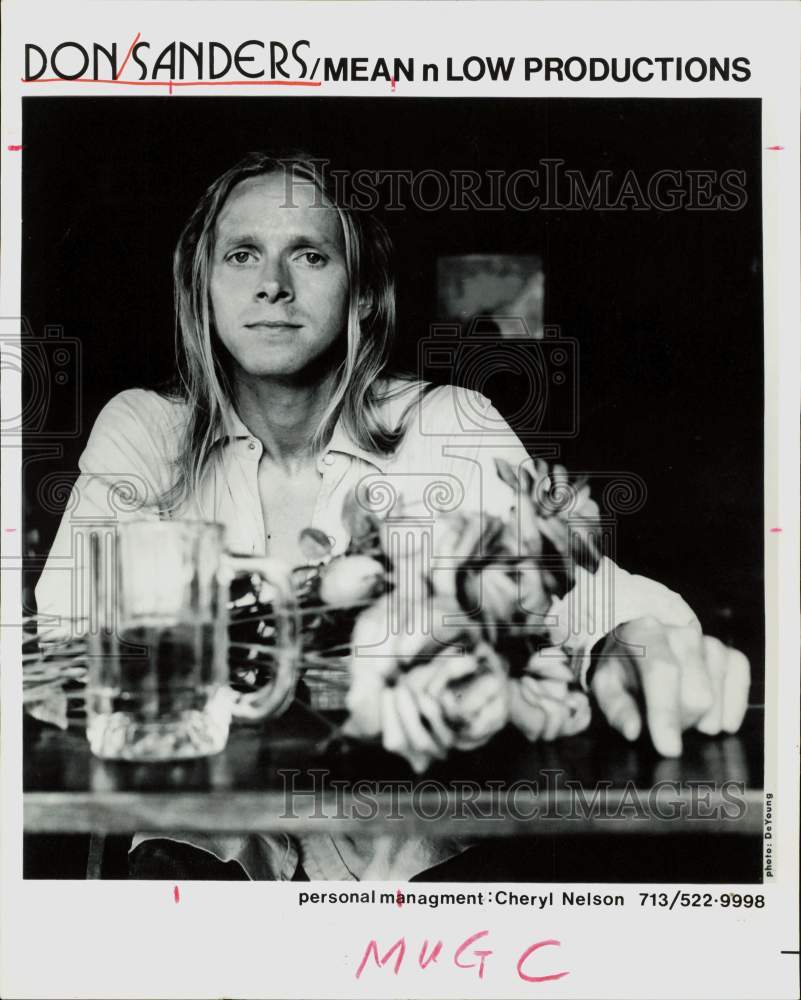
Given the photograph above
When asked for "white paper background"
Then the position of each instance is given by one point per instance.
(63, 939)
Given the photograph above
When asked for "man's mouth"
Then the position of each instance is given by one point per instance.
(273, 325)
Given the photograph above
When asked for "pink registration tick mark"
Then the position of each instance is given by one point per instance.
(176, 895)
(775, 531)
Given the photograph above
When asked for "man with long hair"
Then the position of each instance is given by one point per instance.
(285, 402)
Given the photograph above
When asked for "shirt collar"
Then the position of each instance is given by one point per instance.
(232, 425)
(341, 441)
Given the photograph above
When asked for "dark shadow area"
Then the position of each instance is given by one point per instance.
(691, 858)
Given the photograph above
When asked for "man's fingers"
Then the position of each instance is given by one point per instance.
(698, 691)
(660, 675)
(736, 686)
(711, 721)
(618, 706)
(661, 685)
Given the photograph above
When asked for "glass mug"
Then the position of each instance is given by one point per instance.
(158, 678)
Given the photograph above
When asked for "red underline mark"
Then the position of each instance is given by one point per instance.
(176, 895)
(128, 55)
(9, 530)
(183, 83)
(14, 149)
(171, 86)
(774, 147)
(775, 531)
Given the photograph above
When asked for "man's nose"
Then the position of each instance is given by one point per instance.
(274, 282)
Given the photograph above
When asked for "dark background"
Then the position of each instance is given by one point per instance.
(666, 306)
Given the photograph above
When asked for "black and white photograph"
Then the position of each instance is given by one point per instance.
(400, 505)
(407, 500)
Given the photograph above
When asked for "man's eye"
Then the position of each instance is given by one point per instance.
(240, 256)
(313, 258)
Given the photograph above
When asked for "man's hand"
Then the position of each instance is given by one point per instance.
(685, 680)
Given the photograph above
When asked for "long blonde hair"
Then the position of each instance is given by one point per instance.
(204, 382)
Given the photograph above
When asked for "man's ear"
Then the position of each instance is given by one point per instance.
(366, 304)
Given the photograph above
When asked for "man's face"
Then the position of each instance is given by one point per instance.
(279, 282)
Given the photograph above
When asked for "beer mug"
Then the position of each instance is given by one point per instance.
(158, 679)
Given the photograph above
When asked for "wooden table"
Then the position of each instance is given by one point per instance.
(287, 775)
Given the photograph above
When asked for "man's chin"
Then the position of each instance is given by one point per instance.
(285, 371)
(288, 366)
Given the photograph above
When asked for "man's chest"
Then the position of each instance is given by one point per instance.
(288, 505)
(254, 501)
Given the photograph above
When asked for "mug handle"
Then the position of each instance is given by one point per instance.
(275, 697)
